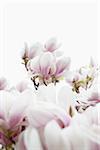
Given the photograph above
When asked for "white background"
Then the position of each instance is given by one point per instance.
(74, 23)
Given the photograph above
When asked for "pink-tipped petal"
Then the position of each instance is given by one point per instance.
(19, 108)
(51, 45)
(35, 50)
(62, 65)
(43, 113)
(3, 83)
(46, 61)
(21, 144)
(22, 86)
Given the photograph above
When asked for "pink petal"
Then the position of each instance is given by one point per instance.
(62, 65)
(46, 61)
(15, 120)
(51, 45)
(21, 144)
(19, 107)
(22, 86)
(3, 83)
(41, 115)
(39, 118)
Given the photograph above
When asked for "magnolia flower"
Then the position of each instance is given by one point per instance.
(83, 78)
(71, 101)
(42, 68)
(32, 51)
(47, 69)
(3, 83)
(82, 133)
(87, 98)
(29, 53)
(38, 117)
(89, 123)
(12, 116)
(51, 45)
(52, 128)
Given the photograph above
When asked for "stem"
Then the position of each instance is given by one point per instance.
(35, 85)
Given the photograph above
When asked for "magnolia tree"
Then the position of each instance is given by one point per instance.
(56, 109)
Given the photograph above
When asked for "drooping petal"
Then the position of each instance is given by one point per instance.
(29, 140)
(52, 135)
(41, 114)
(72, 138)
(20, 145)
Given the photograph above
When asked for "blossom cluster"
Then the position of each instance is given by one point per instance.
(51, 116)
(44, 64)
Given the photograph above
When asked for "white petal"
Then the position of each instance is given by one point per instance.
(24, 52)
(51, 45)
(33, 65)
(19, 107)
(65, 98)
(92, 62)
(62, 65)
(46, 61)
(22, 86)
(35, 50)
(38, 118)
(74, 139)
(44, 112)
(6, 101)
(44, 93)
(58, 53)
(32, 139)
(52, 135)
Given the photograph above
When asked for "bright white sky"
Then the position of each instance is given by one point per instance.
(74, 23)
